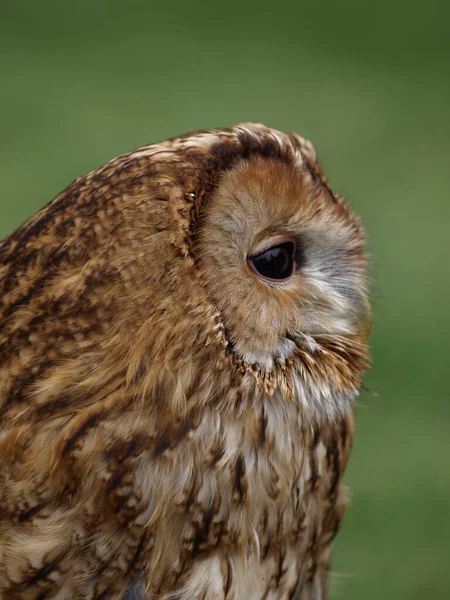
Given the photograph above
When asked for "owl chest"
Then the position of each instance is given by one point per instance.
(255, 491)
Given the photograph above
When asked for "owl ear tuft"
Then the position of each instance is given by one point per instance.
(305, 146)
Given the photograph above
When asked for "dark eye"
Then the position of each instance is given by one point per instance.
(276, 263)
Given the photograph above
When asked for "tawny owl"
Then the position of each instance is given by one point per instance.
(182, 336)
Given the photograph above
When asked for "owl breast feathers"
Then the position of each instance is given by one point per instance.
(182, 336)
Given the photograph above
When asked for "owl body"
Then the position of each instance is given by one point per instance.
(176, 417)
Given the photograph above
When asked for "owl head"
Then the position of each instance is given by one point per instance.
(272, 270)
(209, 268)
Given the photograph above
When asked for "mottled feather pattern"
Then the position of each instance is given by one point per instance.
(171, 425)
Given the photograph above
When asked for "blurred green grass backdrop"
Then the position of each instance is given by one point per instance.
(369, 85)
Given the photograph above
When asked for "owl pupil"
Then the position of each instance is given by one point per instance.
(276, 262)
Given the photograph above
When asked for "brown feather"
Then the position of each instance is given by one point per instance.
(170, 422)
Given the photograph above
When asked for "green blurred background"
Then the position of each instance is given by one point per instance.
(369, 84)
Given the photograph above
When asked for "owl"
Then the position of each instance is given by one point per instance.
(183, 333)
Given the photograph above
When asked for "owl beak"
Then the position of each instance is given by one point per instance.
(365, 317)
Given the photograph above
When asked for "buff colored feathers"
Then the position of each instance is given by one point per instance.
(173, 424)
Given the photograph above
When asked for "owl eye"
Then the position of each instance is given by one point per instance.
(275, 263)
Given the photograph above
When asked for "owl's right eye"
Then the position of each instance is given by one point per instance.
(276, 263)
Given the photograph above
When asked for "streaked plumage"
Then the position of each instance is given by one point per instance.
(169, 422)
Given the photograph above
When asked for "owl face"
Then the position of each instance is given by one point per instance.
(283, 260)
